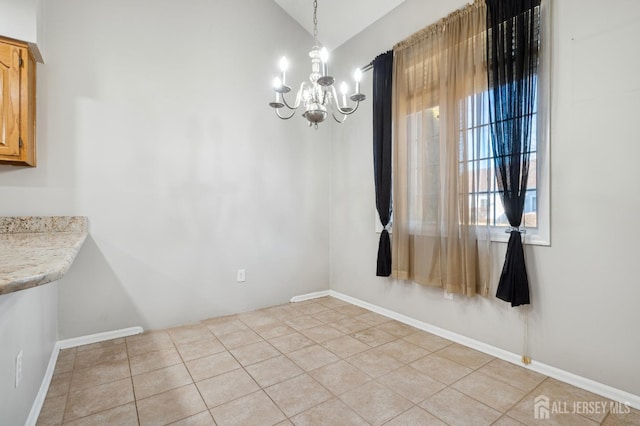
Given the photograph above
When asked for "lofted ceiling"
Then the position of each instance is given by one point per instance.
(338, 20)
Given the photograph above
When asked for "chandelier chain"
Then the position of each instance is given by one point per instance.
(315, 20)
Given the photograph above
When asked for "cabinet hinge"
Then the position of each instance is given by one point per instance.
(20, 142)
(21, 62)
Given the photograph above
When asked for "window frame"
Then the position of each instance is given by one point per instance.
(541, 234)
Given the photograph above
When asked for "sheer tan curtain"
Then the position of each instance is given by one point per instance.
(440, 236)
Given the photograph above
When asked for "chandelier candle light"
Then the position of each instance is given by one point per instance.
(318, 96)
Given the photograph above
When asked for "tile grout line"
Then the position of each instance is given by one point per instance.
(572, 379)
(305, 372)
(286, 355)
(243, 367)
(73, 372)
(329, 322)
(133, 389)
(192, 380)
(89, 387)
(264, 389)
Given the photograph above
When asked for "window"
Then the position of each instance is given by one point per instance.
(484, 196)
(484, 200)
(424, 158)
(535, 219)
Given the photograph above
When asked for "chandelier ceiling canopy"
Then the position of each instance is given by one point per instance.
(318, 96)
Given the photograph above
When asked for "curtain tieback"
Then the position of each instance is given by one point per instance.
(515, 229)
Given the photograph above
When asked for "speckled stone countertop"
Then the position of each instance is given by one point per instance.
(36, 250)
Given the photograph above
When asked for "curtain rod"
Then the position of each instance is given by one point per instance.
(367, 67)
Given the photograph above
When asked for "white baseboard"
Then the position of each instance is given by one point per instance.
(309, 296)
(64, 344)
(44, 387)
(587, 384)
(539, 367)
(99, 337)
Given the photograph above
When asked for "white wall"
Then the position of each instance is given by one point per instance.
(22, 20)
(18, 19)
(585, 286)
(153, 121)
(28, 323)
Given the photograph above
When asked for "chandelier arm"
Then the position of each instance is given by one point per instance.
(287, 117)
(337, 105)
(297, 102)
(352, 111)
(337, 119)
(284, 101)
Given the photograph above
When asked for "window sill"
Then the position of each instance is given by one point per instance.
(530, 238)
(500, 236)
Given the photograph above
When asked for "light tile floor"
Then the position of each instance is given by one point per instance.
(319, 362)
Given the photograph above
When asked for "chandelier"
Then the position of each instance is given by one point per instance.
(318, 96)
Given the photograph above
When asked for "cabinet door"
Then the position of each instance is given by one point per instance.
(10, 100)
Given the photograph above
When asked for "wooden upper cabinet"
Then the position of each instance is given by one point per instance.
(17, 104)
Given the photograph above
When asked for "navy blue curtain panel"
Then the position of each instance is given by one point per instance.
(513, 34)
(382, 82)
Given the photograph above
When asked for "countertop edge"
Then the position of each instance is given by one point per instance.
(64, 258)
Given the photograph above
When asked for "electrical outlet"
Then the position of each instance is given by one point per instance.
(18, 369)
(240, 277)
(448, 295)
